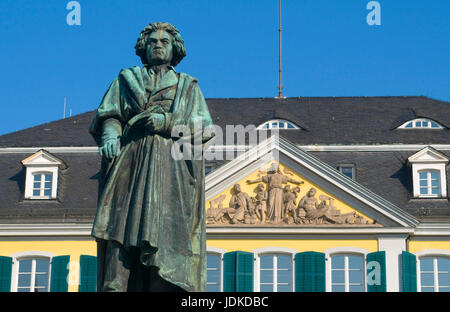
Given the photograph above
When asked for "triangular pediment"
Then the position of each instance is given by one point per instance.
(324, 197)
(42, 158)
(428, 155)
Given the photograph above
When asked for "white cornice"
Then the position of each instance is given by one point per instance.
(64, 149)
(21, 230)
(243, 148)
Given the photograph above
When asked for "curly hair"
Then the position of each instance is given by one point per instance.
(179, 51)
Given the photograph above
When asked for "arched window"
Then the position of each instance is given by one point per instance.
(31, 271)
(347, 273)
(421, 123)
(434, 273)
(278, 124)
(274, 269)
(214, 269)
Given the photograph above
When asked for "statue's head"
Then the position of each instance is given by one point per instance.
(287, 188)
(237, 188)
(160, 43)
(312, 192)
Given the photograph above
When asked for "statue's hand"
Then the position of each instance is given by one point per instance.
(110, 148)
(156, 122)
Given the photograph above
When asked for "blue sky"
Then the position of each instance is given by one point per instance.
(232, 46)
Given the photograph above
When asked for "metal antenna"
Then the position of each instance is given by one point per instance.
(280, 70)
(64, 114)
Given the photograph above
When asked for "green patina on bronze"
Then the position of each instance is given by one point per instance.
(148, 201)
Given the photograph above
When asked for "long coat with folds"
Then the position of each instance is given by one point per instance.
(147, 198)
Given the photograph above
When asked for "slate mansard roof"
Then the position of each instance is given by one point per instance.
(324, 121)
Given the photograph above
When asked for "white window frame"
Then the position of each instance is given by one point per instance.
(271, 251)
(344, 251)
(26, 255)
(428, 159)
(429, 185)
(421, 120)
(270, 126)
(41, 162)
(219, 252)
(430, 253)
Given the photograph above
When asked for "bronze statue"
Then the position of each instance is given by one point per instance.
(150, 221)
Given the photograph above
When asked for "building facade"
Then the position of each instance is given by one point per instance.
(319, 194)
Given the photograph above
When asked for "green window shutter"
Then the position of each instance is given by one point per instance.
(238, 271)
(310, 272)
(376, 279)
(59, 274)
(88, 274)
(5, 274)
(409, 273)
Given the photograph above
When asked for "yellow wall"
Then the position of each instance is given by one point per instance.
(300, 245)
(416, 245)
(250, 189)
(73, 248)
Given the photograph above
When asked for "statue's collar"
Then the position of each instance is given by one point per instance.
(154, 69)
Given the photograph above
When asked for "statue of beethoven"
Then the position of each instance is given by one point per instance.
(150, 221)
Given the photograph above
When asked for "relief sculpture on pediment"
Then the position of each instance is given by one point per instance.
(274, 202)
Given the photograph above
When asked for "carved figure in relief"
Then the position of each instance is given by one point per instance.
(261, 203)
(216, 214)
(290, 206)
(240, 203)
(275, 180)
(314, 212)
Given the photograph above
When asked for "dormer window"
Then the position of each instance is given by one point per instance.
(421, 123)
(41, 176)
(278, 124)
(429, 173)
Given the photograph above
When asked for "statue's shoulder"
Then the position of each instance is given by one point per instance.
(131, 71)
(187, 77)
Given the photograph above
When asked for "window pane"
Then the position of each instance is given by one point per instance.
(25, 266)
(274, 125)
(284, 262)
(444, 264)
(422, 175)
(356, 277)
(435, 191)
(24, 280)
(427, 279)
(423, 191)
(284, 277)
(281, 125)
(48, 193)
(444, 279)
(409, 125)
(42, 266)
(355, 262)
(284, 288)
(444, 289)
(427, 289)
(41, 280)
(290, 126)
(48, 185)
(36, 185)
(337, 262)
(266, 288)
(213, 273)
(338, 288)
(37, 177)
(418, 123)
(434, 125)
(423, 182)
(23, 289)
(424, 123)
(356, 288)
(48, 178)
(434, 175)
(337, 277)
(266, 276)
(426, 264)
(348, 171)
(266, 262)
